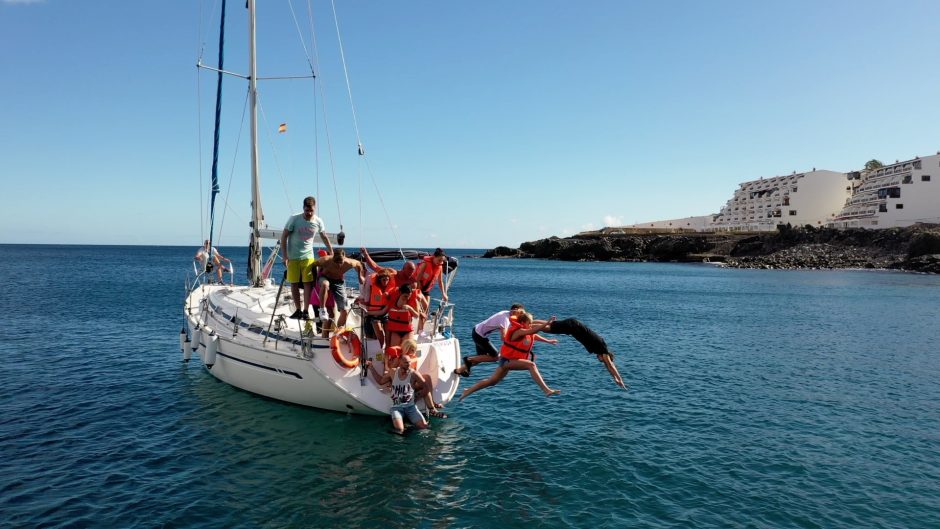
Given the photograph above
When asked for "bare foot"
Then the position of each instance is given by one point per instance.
(553, 392)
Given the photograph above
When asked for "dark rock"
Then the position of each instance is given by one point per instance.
(502, 251)
(915, 248)
(924, 244)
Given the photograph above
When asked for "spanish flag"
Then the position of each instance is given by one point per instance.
(282, 128)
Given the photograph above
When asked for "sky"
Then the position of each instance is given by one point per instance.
(485, 123)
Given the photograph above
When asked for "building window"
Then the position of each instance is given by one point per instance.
(792, 212)
(899, 206)
(925, 178)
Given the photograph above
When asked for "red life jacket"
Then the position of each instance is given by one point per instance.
(429, 273)
(520, 349)
(378, 297)
(413, 300)
(392, 352)
(399, 319)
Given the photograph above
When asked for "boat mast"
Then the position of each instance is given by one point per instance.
(257, 215)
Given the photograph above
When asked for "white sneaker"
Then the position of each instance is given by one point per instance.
(323, 314)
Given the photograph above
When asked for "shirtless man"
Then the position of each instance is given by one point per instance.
(332, 269)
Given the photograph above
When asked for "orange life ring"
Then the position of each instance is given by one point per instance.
(354, 343)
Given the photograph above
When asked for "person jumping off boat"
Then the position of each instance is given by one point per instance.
(486, 352)
(591, 341)
(516, 354)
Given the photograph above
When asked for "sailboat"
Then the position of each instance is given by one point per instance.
(244, 336)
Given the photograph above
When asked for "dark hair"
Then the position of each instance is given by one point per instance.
(311, 200)
(516, 306)
(438, 252)
(405, 289)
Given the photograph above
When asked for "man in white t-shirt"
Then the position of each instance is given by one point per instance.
(486, 351)
(297, 252)
(202, 257)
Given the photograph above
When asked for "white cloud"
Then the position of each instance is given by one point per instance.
(610, 220)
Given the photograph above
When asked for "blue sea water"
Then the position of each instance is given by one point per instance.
(771, 399)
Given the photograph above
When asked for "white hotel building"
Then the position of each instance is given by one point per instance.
(814, 197)
(896, 195)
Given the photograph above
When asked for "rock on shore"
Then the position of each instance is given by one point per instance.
(916, 248)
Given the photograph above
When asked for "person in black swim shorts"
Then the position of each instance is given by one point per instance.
(591, 341)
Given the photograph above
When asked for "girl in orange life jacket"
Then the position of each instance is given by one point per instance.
(429, 271)
(400, 315)
(376, 304)
(516, 354)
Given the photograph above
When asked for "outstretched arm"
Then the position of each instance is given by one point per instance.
(367, 259)
(532, 329)
(540, 338)
(440, 283)
(380, 379)
(361, 270)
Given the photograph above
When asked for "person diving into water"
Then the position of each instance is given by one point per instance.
(591, 341)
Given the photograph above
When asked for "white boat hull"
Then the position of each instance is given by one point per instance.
(279, 364)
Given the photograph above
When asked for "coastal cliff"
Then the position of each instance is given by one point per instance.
(916, 248)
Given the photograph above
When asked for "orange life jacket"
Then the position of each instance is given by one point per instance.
(399, 319)
(520, 349)
(378, 297)
(429, 273)
(413, 300)
(392, 352)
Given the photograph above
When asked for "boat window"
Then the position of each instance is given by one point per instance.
(883, 208)
(899, 206)
(792, 212)
(907, 179)
(925, 178)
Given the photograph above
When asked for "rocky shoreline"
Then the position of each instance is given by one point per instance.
(914, 249)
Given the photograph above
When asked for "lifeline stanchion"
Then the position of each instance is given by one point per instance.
(277, 299)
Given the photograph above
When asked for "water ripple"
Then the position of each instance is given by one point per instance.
(755, 401)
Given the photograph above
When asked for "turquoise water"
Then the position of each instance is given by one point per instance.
(757, 399)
